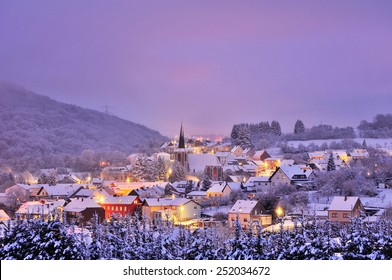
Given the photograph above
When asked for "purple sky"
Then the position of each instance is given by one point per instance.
(210, 63)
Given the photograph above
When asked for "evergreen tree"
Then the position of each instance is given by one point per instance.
(178, 173)
(275, 128)
(161, 169)
(139, 168)
(299, 127)
(331, 163)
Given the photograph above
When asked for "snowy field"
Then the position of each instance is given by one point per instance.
(385, 143)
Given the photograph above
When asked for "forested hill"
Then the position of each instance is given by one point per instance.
(32, 125)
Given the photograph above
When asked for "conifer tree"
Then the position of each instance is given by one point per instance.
(331, 163)
(299, 127)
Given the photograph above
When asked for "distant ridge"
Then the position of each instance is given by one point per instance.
(33, 125)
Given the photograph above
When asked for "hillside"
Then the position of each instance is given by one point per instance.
(33, 125)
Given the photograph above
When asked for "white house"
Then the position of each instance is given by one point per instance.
(177, 209)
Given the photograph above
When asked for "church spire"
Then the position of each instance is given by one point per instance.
(181, 140)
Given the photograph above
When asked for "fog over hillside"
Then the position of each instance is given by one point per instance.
(33, 125)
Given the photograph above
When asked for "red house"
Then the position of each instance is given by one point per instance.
(121, 205)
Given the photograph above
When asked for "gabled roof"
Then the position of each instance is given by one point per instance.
(218, 187)
(61, 189)
(243, 206)
(198, 162)
(343, 203)
(39, 207)
(253, 180)
(129, 199)
(197, 193)
(3, 216)
(293, 171)
(166, 201)
(81, 204)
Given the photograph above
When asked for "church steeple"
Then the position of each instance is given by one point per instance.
(181, 140)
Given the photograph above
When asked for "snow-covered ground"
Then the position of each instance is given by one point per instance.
(370, 142)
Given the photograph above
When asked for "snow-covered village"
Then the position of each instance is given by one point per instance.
(204, 130)
(208, 199)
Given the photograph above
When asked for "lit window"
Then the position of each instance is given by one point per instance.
(345, 215)
(125, 208)
(334, 215)
(120, 208)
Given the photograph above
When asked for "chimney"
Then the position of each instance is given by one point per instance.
(345, 198)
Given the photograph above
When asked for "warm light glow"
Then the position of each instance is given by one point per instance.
(279, 211)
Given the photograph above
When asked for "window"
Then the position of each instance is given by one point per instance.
(125, 208)
(345, 215)
(334, 215)
(245, 220)
(120, 208)
(112, 208)
(116, 208)
(195, 207)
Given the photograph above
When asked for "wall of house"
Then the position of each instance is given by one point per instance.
(190, 210)
(280, 178)
(120, 209)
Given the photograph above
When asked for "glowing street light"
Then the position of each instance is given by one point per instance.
(279, 211)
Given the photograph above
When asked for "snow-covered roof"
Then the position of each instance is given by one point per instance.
(62, 189)
(166, 201)
(197, 193)
(3, 216)
(223, 154)
(343, 203)
(84, 193)
(234, 186)
(293, 170)
(129, 199)
(243, 206)
(81, 204)
(359, 153)
(155, 191)
(217, 187)
(259, 153)
(253, 180)
(198, 162)
(39, 207)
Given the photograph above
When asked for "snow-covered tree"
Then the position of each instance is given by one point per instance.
(299, 127)
(275, 128)
(178, 172)
(331, 163)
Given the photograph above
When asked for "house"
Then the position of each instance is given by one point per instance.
(261, 155)
(60, 191)
(343, 208)
(120, 205)
(148, 192)
(258, 183)
(3, 215)
(296, 175)
(23, 192)
(218, 189)
(42, 208)
(237, 151)
(358, 154)
(82, 210)
(97, 182)
(176, 210)
(197, 196)
(248, 211)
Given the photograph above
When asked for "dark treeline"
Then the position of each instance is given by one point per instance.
(137, 239)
